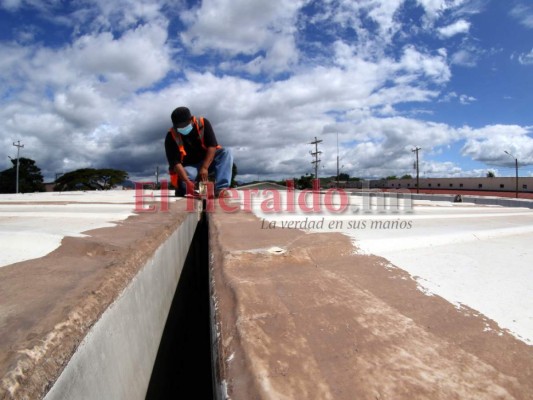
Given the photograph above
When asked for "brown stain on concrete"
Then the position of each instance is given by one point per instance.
(320, 322)
(47, 305)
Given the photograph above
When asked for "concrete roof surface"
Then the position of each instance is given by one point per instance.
(431, 302)
(33, 224)
(316, 314)
(74, 254)
(476, 256)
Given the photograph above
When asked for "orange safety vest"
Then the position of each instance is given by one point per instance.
(199, 125)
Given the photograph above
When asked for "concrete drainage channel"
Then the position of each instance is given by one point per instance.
(124, 356)
(183, 365)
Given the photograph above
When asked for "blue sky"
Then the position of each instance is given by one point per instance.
(93, 83)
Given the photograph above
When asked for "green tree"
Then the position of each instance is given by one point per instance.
(344, 176)
(491, 174)
(305, 182)
(407, 176)
(90, 179)
(30, 177)
(391, 177)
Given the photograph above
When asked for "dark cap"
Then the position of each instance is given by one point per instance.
(180, 115)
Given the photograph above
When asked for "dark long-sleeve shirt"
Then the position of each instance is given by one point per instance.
(192, 145)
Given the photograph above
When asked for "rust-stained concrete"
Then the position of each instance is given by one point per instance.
(47, 305)
(300, 316)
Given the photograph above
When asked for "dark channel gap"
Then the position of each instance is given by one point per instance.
(182, 369)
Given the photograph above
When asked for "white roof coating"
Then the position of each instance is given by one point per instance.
(476, 256)
(33, 224)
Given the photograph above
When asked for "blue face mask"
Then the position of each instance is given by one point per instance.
(186, 130)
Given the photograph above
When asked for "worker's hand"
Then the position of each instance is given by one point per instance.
(204, 174)
(189, 188)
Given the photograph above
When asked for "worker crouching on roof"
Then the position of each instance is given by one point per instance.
(193, 153)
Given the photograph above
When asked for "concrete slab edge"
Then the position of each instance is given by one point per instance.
(220, 388)
(116, 357)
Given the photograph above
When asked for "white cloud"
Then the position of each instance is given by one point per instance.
(243, 27)
(435, 8)
(458, 27)
(526, 58)
(11, 5)
(434, 67)
(465, 58)
(448, 97)
(136, 60)
(117, 60)
(489, 143)
(359, 16)
(383, 13)
(437, 169)
(61, 102)
(464, 99)
(524, 14)
(124, 14)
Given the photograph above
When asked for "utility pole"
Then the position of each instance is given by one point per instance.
(516, 180)
(315, 154)
(415, 150)
(18, 146)
(516, 172)
(157, 176)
